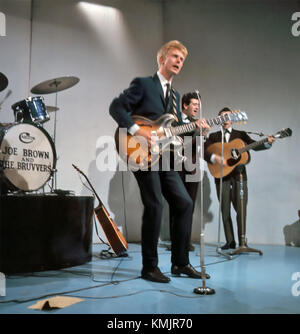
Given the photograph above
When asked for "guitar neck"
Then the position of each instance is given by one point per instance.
(251, 146)
(189, 127)
(88, 181)
(94, 191)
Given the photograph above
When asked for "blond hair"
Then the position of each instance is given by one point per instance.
(163, 51)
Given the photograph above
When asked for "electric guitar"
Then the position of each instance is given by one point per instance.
(236, 153)
(113, 235)
(134, 150)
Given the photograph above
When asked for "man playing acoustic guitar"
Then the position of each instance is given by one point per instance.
(231, 174)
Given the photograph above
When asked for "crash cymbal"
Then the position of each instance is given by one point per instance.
(51, 109)
(3, 82)
(54, 85)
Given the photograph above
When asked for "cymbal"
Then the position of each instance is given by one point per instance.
(54, 85)
(51, 109)
(3, 82)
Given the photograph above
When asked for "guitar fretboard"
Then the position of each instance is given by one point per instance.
(250, 146)
(189, 127)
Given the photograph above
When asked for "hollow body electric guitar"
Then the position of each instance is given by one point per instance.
(113, 235)
(236, 153)
(134, 150)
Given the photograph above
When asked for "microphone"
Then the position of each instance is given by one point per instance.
(200, 102)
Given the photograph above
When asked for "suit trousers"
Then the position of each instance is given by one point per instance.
(153, 185)
(231, 194)
(192, 189)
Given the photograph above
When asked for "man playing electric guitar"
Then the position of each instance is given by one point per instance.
(231, 182)
(152, 97)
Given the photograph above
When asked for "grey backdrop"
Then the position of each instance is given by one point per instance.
(242, 54)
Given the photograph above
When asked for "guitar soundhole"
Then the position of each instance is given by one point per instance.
(231, 162)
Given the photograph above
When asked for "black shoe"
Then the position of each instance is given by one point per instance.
(155, 275)
(229, 245)
(188, 270)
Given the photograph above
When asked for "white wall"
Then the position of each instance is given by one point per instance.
(15, 54)
(242, 55)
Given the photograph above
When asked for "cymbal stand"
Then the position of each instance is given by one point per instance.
(219, 250)
(54, 178)
(243, 248)
(203, 290)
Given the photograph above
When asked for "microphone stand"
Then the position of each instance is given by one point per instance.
(5, 97)
(243, 248)
(203, 290)
(219, 250)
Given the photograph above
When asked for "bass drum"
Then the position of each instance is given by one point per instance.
(27, 156)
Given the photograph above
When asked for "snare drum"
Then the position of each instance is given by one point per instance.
(27, 156)
(31, 110)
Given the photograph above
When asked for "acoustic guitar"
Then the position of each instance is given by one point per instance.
(236, 153)
(113, 235)
(134, 150)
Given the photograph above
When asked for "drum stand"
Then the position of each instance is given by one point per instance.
(203, 290)
(243, 248)
(219, 250)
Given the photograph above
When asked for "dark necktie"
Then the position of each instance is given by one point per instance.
(170, 95)
(167, 96)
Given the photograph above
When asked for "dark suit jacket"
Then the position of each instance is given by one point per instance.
(216, 137)
(144, 97)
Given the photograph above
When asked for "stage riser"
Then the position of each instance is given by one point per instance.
(44, 232)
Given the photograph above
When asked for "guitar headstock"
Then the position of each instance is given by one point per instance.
(287, 132)
(237, 116)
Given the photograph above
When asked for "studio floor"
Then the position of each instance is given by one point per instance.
(245, 284)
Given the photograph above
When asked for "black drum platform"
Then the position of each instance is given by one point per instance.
(44, 232)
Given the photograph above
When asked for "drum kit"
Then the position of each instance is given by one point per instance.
(27, 151)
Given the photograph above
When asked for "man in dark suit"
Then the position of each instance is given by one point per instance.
(152, 97)
(190, 108)
(231, 182)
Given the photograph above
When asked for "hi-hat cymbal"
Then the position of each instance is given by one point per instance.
(54, 85)
(3, 82)
(51, 108)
